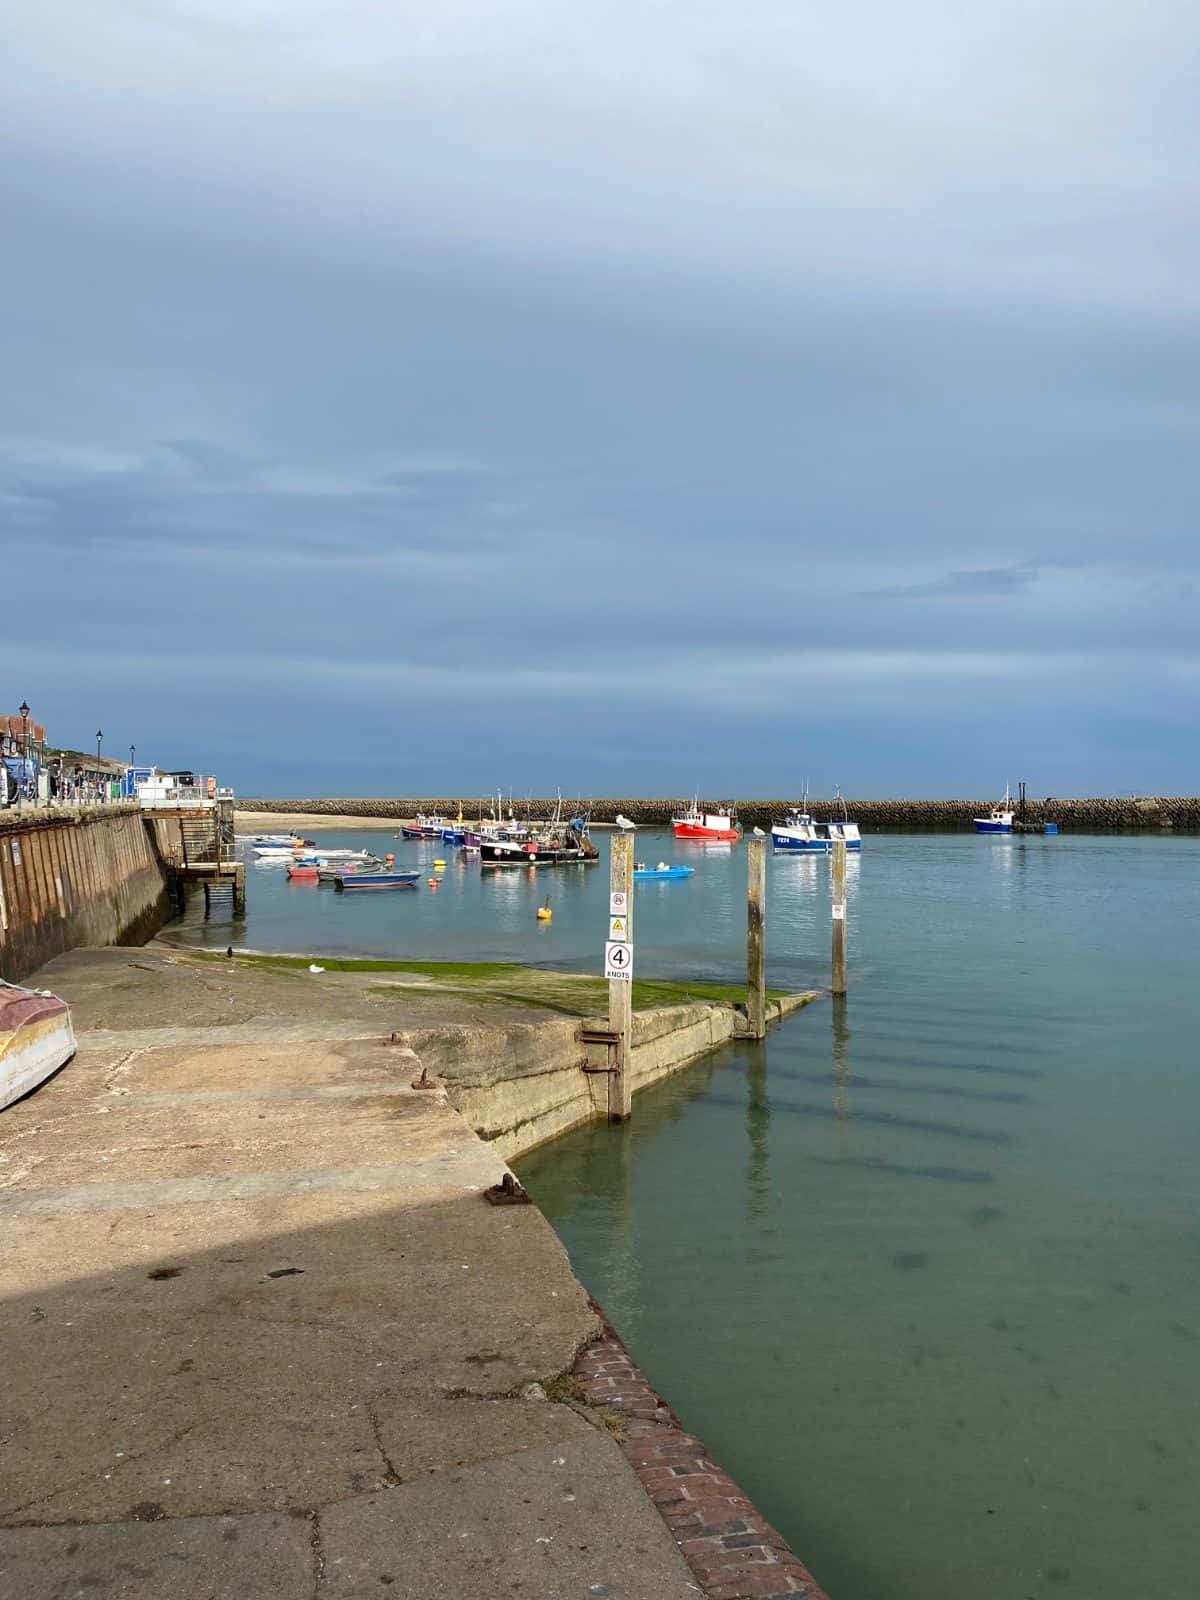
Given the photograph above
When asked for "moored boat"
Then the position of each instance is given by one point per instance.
(1001, 818)
(798, 832)
(697, 824)
(376, 880)
(662, 871)
(557, 843)
(321, 857)
(545, 850)
(36, 1038)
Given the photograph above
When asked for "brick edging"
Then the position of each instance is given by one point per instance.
(730, 1546)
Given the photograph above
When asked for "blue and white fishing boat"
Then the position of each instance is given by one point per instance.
(798, 832)
(1001, 819)
(661, 872)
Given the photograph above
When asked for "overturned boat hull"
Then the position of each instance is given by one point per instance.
(36, 1038)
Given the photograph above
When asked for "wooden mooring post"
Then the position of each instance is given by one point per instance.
(756, 937)
(620, 990)
(838, 881)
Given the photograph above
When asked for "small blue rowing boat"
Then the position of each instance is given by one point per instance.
(376, 880)
(660, 872)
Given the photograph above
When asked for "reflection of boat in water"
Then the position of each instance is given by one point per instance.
(1001, 818)
(661, 871)
(36, 1038)
(697, 824)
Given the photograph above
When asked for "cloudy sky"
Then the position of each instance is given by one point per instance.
(424, 398)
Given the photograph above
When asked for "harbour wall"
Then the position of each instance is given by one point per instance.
(86, 875)
(1120, 814)
(520, 1085)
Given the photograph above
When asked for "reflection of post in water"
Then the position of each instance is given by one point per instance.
(623, 1300)
(841, 1061)
(758, 1122)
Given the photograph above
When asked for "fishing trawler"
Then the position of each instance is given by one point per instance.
(556, 843)
(696, 824)
(1001, 818)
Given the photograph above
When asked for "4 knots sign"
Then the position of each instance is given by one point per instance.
(618, 960)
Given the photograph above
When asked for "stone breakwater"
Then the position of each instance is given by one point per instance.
(1134, 813)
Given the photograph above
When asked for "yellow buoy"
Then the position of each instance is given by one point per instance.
(544, 913)
(439, 865)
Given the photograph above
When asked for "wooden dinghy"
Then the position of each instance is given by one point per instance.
(36, 1038)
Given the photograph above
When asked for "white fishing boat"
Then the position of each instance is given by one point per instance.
(36, 1038)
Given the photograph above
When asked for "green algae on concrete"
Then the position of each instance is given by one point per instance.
(503, 982)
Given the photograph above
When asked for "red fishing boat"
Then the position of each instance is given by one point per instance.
(697, 824)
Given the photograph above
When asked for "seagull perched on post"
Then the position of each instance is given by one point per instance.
(759, 834)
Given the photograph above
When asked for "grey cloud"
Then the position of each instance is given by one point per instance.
(528, 336)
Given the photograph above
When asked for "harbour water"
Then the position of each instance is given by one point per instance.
(923, 1270)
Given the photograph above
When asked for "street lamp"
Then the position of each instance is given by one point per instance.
(99, 736)
(24, 710)
(132, 753)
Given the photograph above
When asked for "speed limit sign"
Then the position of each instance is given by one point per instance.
(618, 960)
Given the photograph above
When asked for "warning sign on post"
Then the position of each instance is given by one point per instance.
(839, 911)
(618, 903)
(618, 929)
(618, 960)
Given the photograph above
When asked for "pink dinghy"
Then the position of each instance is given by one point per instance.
(36, 1038)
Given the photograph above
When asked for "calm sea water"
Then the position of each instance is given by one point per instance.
(924, 1269)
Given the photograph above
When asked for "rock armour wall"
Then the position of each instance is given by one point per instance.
(1132, 813)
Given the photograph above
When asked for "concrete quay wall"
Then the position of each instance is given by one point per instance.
(87, 875)
(1129, 813)
(523, 1084)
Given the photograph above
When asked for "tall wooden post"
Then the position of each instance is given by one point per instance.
(838, 985)
(756, 937)
(620, 991)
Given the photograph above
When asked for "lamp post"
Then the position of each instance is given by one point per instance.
(99, 736)
(24, 710)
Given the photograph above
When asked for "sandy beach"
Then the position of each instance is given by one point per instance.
(302, 822)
